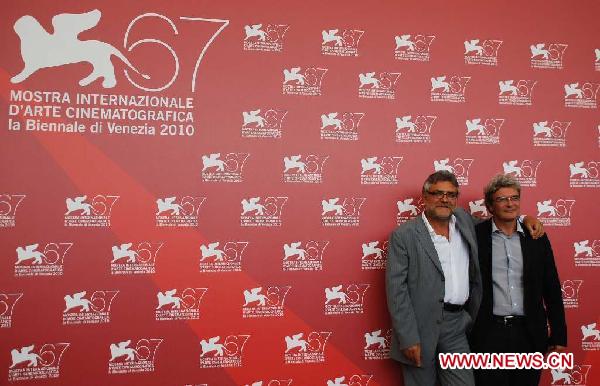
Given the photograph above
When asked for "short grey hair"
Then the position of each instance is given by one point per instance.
(439, 176)
(498, 182)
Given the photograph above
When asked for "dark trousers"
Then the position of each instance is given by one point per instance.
(502, 338)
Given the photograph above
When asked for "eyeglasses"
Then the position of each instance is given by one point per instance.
(440, 193)
(506, 199)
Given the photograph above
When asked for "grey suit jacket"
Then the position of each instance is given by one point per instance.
(415, 285)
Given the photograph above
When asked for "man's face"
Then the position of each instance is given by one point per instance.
(440, 200)
(506, 204)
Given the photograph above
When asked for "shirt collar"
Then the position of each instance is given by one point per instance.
(496, 230)
(452, 224)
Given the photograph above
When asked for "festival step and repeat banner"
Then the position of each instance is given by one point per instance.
(200, 193)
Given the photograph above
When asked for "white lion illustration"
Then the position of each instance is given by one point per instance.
(25, 355)
(168, 204)
(335, 293)
(473, 46)
(590, 331)
(40, 49)
(120, 349)
(29, 252)
(369, 78)
(122, 251)
(77, 300)
(251, 205)
(295, 341)
(210, 251)
(292, 249)
(293, 75)
(374, 338)
(371, 248)
(332, 205)
(406, 206)
(78, 203)
(254, 295)
(212, 345)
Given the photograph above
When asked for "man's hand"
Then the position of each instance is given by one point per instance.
(413, 354)
(534, 226)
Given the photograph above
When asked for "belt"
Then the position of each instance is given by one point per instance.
(453, 307)
(509, 320)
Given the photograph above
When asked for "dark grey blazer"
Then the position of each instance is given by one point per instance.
(415, 285)
(542, 292)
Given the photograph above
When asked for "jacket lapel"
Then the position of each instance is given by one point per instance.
(427, 244)
(485, 255)
(467, 236)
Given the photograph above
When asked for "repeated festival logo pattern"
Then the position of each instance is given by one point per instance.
(552, 134)
(483, 52)
(340, 126)
(92, 308)
(41, 260)
(483, 131)
(226, 352)
(265, 37)
(377, 85)
(7, 306)
(179, 304)
(89, 212)
(36, 361)
(570, 292)
(516, 92)
(374, 254)
(303, 347)
(133, 356)
(305, 81)
(414, 129)
(586, 253)
(413, 47)
(9, 204)
(304, 255)
(344, 128)
(222, 256)
(178, 212)
(130, 259)
(555, 212)
(263, 123)
(338, 42)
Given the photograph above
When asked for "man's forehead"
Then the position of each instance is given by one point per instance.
(444, 185)
(507, 191)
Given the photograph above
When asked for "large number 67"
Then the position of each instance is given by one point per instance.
(133, 45)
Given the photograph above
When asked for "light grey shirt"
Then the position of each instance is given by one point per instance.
(507, 272)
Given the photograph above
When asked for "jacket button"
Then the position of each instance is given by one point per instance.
(441, 300)
(439, 321)
(443, 279)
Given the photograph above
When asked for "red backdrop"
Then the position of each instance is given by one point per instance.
(245, 123)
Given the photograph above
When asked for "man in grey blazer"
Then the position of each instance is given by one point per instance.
(433, 285)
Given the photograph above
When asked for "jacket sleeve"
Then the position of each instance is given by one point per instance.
(398, 297)
(553, 298)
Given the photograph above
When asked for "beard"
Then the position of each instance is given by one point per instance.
(440, 212)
